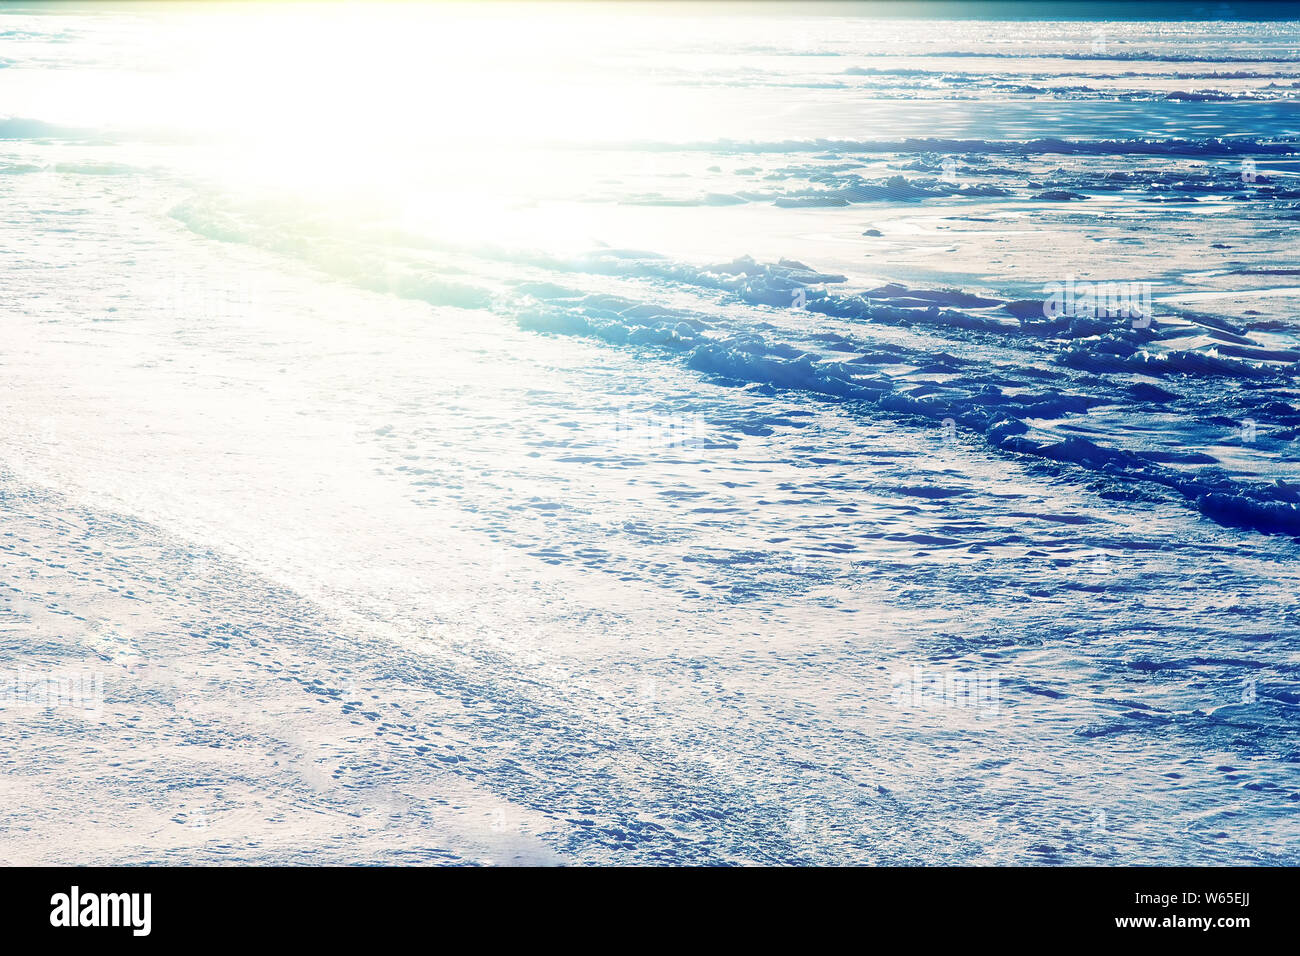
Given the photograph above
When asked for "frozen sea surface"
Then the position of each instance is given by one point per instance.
(639, 436)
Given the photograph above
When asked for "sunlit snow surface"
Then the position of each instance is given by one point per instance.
(574, 435)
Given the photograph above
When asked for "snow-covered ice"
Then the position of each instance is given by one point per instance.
(653, 435)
